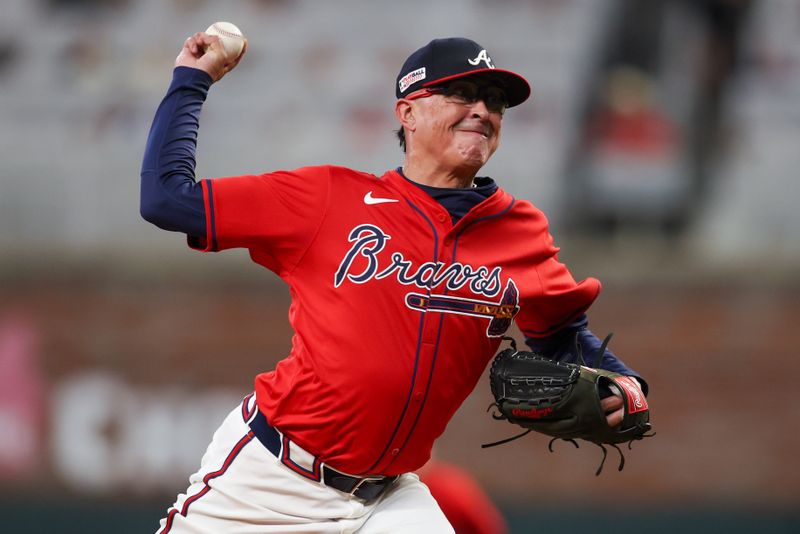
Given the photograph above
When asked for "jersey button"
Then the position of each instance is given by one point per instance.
(395, 452)
(418, 396)
(442, 217)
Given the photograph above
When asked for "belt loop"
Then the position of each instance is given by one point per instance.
(364, 480)
(355, 488)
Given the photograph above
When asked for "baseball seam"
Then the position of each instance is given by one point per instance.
(225, 33)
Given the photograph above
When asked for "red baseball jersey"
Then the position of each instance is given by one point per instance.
(396, 310)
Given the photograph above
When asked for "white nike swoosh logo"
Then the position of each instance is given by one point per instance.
(369, 199)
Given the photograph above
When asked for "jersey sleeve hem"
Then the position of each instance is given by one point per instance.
(208, 242)
(573, 316)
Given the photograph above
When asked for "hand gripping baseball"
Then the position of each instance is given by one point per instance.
(205, 52)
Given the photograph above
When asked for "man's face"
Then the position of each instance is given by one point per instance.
(458, 123)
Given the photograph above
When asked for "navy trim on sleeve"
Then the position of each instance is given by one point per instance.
(212, 221)
(170, 197)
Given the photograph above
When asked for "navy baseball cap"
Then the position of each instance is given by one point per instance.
(442, 60)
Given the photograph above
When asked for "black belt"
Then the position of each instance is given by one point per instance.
(367, 488)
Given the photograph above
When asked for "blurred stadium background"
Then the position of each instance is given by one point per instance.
(663, 140)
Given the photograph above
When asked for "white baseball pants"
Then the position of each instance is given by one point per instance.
(242, 488)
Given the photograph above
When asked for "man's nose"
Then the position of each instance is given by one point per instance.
(479, 109)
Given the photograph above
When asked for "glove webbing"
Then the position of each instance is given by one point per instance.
(579, 358)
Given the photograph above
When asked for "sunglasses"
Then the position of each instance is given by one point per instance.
(467, 93)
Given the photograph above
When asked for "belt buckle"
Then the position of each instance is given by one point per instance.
(362, 481)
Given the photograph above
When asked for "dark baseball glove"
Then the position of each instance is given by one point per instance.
(562, 400)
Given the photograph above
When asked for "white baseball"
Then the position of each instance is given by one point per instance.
(230, 37)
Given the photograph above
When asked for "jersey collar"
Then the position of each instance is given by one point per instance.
(498, 201)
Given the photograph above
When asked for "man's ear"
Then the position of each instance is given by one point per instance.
(404, 112)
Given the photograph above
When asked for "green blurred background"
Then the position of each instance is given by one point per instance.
(663, 140)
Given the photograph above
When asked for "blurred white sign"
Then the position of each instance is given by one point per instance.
(109, 434)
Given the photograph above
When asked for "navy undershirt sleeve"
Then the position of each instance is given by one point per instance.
(170, 197)
(561, 346)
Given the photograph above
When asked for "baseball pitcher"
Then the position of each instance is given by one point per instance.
(403, 286)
